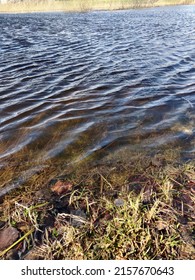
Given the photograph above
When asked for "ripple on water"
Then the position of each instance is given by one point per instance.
(76, 84)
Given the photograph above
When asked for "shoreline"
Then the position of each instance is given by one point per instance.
(25, 9)
(103, 212)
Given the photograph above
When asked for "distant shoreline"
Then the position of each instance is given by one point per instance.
(76, 6)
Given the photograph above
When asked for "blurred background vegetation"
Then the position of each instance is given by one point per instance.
(82, 5)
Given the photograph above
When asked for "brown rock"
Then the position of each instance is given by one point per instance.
(12, 255)
(61, 187)
(7, 237)
(31, 255)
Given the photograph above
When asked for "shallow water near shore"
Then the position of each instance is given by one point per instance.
(78, 86)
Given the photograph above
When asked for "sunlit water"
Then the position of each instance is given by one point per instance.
(74, 84)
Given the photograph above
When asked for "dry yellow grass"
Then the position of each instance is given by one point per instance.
(83, 5)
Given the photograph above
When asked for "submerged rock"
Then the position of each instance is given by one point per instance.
(7, 237)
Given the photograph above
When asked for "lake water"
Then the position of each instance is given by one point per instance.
(76, 84)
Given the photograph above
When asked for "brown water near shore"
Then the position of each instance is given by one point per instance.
(80, 86)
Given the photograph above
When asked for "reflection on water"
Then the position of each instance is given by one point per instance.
(85, 84)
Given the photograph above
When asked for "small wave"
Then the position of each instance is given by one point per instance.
(95, 82)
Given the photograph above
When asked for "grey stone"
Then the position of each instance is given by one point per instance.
(78, 218)
(119, 202)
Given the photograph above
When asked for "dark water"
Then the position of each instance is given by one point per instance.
(75, 84)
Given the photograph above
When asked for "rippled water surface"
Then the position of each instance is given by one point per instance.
(72, 85)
